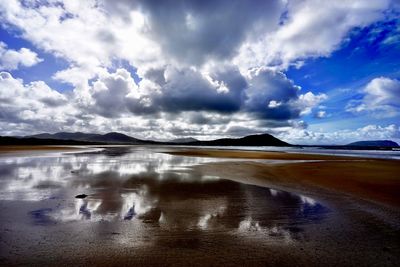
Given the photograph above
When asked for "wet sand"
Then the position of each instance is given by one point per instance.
(149, 208)
(30, 150)
(376, 180)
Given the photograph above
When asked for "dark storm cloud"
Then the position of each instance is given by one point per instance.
(242, 131)
(271, 95)
(265, 93)
(193, 31)
(189, 90)
(207, 119)
(155, 75)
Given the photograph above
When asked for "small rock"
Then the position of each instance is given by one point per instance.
(81, 196)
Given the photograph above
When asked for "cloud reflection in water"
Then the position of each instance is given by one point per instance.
(153, 188)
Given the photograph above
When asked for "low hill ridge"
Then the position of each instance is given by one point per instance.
(120, 138)
(375, 143)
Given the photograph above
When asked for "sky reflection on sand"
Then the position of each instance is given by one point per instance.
(142, 186)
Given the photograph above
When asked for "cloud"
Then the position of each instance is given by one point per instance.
(320, 114)
(150, 34)
(187, 89)
(265, 93)
(308, 101)
(381, 98)
(197, 72)
(11, 59)
(272, 95)
(110, 93)
(34, 91)
(195, 31)
(310, 28)
(339, 137)
(189, 33)
(35, 107)
(67, 29)
(30, 105)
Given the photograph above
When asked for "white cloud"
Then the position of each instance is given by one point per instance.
(381, 98)
(320, 114)
(310, 28)
(11, 59)
(110, 93)
(339, 137)
(308, 101)
(32, 105)
(183, 33)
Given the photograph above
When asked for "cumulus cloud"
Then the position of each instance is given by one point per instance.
(110, 93)
(11, 59)
(339, 137)
(273, 96)
(381, 98)
(195, 31)
(187, 89)
(148, 33)
(30, 105)
(265, 93)
(36, 107)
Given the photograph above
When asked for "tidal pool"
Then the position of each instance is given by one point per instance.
(124, 184)
(141, 199)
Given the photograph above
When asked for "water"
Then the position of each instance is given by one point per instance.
(146, 187)
(144, 207)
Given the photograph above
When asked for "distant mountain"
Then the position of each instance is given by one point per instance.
(79, 138)
(250, 140)
(374, 143)
(12, 141)
(65, 136)
(184, 140)
(115, 137)
(112, 137)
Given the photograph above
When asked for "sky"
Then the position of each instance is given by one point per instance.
(306, 71)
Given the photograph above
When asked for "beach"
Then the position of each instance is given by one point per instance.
(173, 206)
(376, 180)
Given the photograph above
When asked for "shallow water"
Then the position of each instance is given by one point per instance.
(126, 184)
(152, 202)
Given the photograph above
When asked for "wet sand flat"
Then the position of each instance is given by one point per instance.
(27, 150)
(149, 208)
(370, 179)
(40, 148)
(242, 154)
